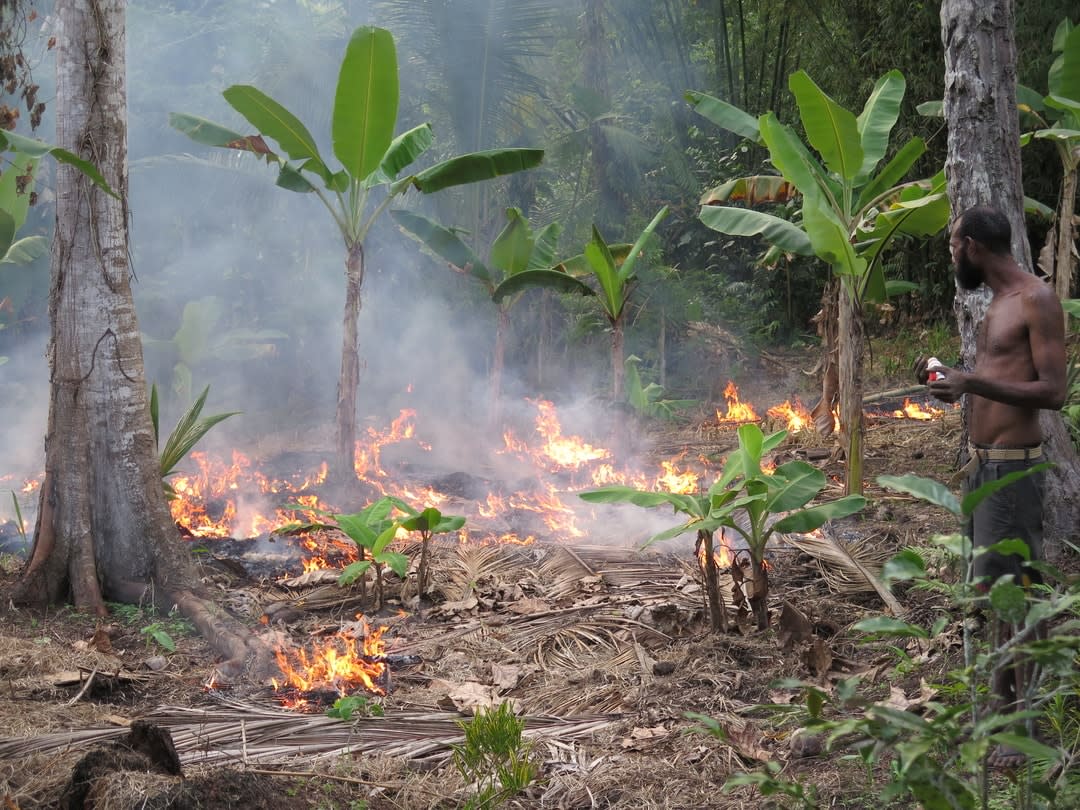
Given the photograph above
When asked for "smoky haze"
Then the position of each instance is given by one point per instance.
(240, 284)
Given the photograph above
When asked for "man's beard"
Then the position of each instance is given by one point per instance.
(968, 276)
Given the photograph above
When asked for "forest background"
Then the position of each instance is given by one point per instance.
(237, 282)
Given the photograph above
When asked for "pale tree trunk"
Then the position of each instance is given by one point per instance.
(827, 320)
(1066, 235)
(850, 334)
(618, 370)
(344, 467)
(983, 167)
(103, 530)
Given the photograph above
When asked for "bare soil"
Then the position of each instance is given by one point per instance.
(605, 649)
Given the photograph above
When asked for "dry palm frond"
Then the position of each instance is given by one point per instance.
(469, 565)
(254, 733)
(846, 567)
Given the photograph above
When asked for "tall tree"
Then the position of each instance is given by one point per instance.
(983, 166)
(103, 529)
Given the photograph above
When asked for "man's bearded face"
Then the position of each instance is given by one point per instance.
(968, 276)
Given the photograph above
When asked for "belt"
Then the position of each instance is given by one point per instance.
(1006, 453)
(981, 455)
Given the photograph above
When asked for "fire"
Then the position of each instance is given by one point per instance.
(558, 451)
(737, 411)
(722, 552)
(912, 410)
(795, 416)
(672, 480)
(343, 664)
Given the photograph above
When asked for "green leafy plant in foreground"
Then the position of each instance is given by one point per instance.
(187, 433)
(748, 501)
(156, 632)
(373, 528)
(345, 707)
(495, 756)
(937, 750)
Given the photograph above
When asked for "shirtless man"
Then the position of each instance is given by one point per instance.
(1020, 369)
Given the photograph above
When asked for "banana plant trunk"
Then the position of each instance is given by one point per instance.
(497, 361)
(759, 602)
(618, 372)
(344, 469)
(851, 338)
(711, 574)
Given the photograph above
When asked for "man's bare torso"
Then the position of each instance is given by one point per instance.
(1003, 352)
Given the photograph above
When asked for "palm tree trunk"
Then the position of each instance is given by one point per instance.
(344, 470)
(1063, 261)
(851, 339)
(103, 530)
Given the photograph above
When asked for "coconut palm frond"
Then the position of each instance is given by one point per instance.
(470, 565)
(851, 565)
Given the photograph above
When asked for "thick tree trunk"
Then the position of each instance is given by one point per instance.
(851, 339)
(344, 467)
(983, 167)
(1066, 237)
(103, 531)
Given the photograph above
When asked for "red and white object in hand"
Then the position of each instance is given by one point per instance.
(931, 364)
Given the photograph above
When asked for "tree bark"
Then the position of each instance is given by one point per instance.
(344, 467)
(851, 339)
(983, 167)
(618, 371)
(1066, 236)
(103, 530)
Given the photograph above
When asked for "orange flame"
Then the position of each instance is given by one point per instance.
(796, 417)
(737, 412)
(912, 410)
(722, 554)
(343, 664)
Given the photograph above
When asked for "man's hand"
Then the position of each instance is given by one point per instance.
(949, 386)
(921, 373)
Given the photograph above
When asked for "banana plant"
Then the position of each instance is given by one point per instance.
(372, 161)
(851, 211)
(749, 501)
(518, 259)
(428, 522)
(616, 281)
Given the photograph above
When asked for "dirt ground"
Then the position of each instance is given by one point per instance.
(603, 648)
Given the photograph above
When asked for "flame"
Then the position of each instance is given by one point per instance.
(342, 664)
(722, 552)
(912, 410)
(672, 480)
(737, 412)
(558, 452)
(795, 416)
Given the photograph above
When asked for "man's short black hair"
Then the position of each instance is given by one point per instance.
(988, 226)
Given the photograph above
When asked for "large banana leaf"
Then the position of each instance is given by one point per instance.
(366, 102)
(725, 115)
(1064, 77)
(744, 222)
(13, 199)
(36, 149)
(626, 269)
(545, 246)
(550, 278)
(472, 168)
(687, 504)
(877, 120)
(752, 191)
(791, 157)
(793, 485)
(23, 251)
(831, 239)
(607, 275)
(272, 119)
(403, 150)
(893, 172)
(806, 520)
(831, 129)
(445, 243)
(512, 248)
(579, 266)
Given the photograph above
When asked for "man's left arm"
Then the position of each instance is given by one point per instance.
(1045, 321)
